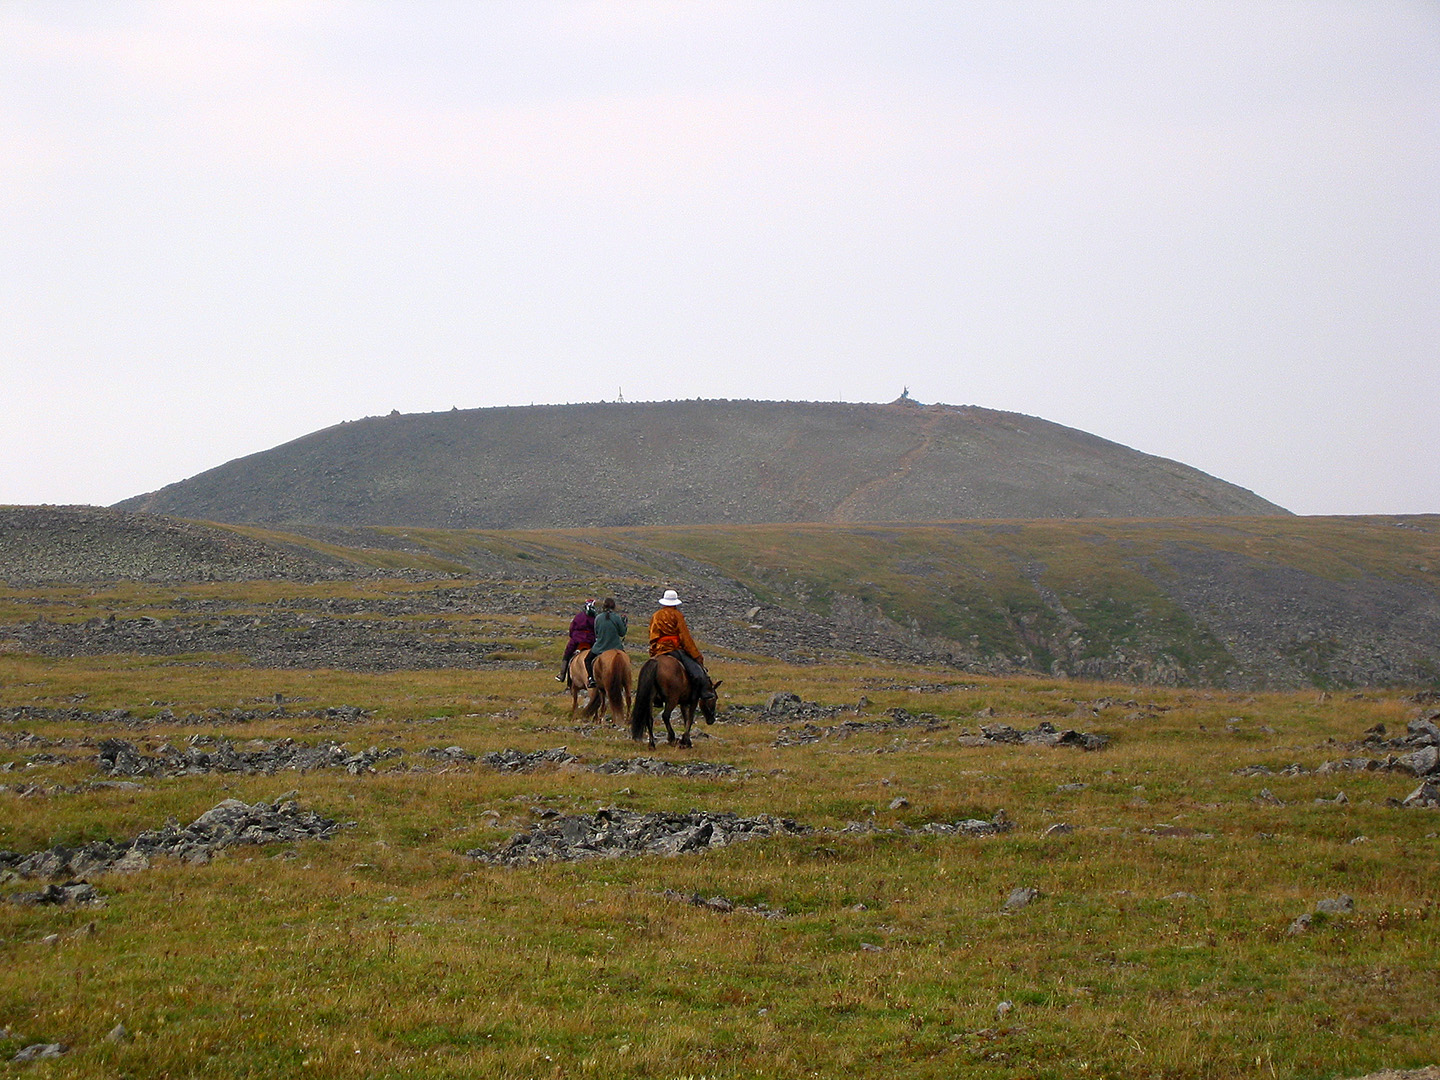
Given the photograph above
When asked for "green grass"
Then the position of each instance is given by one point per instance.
(1158, 947)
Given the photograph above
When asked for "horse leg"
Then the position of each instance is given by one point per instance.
(665, 715)
(687, 711)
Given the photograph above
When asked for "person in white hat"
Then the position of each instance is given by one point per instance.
(669, 634)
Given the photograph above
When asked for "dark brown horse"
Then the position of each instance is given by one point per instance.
(612, 685)
(664, 684)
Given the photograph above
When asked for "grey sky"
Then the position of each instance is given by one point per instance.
(1207, 230)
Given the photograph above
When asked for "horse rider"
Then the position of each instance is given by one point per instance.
(610, 630)
(582, 636)
(669, 634)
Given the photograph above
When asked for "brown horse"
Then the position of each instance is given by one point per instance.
(578, 678)
(612, 685)
(663, 683)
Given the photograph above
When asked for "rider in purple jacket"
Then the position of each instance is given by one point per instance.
(582, 636)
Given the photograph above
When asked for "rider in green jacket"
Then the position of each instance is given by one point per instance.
(610, 630)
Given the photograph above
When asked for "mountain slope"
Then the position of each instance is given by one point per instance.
(694, 462)
(1277, 602)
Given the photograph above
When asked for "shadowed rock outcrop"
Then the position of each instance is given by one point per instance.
(229, 823)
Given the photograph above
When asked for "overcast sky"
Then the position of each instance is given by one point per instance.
(1207, 230)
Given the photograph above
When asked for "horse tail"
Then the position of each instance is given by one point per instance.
(617, 679)
(641, 719)
(597, 699)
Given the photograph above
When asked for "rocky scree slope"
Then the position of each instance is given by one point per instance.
(695, 462)
(1254, 603)
(52, 544)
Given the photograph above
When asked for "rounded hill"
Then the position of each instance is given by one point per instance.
(696, 462)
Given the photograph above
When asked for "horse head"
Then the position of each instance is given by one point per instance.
(707, 703)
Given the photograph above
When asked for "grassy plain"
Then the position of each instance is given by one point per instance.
(1158, 946)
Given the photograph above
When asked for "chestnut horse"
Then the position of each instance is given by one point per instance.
(663, 683)
(612, 685)
(578, 677)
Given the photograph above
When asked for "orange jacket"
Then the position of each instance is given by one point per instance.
(668, 633)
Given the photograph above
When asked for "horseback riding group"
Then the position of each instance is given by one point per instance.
(673, 677)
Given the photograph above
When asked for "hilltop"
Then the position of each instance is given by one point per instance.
(695, 463)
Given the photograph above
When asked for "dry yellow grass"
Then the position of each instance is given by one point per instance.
(1158, 946)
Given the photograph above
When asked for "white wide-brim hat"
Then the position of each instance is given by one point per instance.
(670, 599)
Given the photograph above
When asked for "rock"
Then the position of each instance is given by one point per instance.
(132, 862)
(231, 822)
(1000, 823)
(1301, 924)
(1020, 898)
(1269, 797)
(899, 803)
(1422, 762)
(40, 1052)
(782, 702)
(648, 766)
(1002, 1010)
(713, 903)
(1423, 732)
(809, 733)
(72, 892)
(613, 833)
(1043, 734)
(1340, 905)
(117, 1034)
(519, 761)
(1060, 828)
(1426, 795)
(207, 754)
